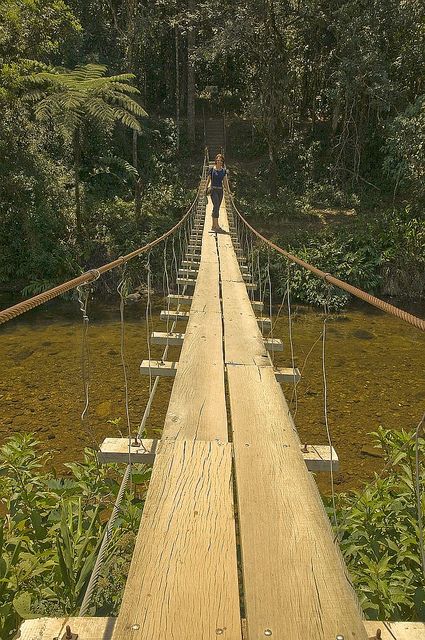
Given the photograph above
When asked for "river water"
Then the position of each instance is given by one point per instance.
(374, 369)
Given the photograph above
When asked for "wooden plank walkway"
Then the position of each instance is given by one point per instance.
(183, 581)
(294, 580)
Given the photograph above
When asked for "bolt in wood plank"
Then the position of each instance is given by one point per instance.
(295, 582)
(172, 338)
(113, 450)
(174, 314)
(159, 368)
(182, 583)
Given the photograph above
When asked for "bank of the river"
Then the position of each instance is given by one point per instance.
(374, 368)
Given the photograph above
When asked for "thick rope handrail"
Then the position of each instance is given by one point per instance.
(419, 323)
(88, 276)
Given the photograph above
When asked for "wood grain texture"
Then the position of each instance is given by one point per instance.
(407, 630)
(295, 582)
(49, 628)
(117, 450)
(297, 564)
(182, 583)
(197, 408)
(102, 628)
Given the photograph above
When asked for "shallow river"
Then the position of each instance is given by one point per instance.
(374, 365)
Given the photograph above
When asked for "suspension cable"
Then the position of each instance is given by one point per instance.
(419, 323)
(91, 275)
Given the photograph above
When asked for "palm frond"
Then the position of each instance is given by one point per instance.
(127, 118)
(121, 163)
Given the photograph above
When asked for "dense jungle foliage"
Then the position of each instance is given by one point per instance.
(102, 105)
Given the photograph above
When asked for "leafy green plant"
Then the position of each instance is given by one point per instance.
(379, 536)
(52, 529)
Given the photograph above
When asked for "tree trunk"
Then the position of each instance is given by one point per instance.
(176, 36)
(191, 79)
(77, 160)
(137, 181)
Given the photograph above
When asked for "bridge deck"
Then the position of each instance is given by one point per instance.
(102, 629)
(183, 582)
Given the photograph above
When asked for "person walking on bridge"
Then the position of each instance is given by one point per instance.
(215, 177)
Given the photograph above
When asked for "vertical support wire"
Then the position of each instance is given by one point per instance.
(122, 290)
(269, 283)
(148, 317)
(291, 341)
(83, 293)
(174, 266)
(251, 265)
(260, 284)
(166, 290)
(325, 402)
(418, 491)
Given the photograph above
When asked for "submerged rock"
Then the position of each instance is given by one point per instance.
(362, 334)
(374, 452)
(104, 409)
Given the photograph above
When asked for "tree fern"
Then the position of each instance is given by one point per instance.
(68, 98)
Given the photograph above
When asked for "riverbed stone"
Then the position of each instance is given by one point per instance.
(374, 452)
(104, 409)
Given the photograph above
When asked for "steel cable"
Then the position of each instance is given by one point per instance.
(419, 323)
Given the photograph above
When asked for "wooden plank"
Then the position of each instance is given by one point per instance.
(273, 344)
(197, 408)
(187, 282)
(186, 272)
(101, 629)
(264, 322)
(158, 368)
(182, 582)
(171, 338)
(320, 458)
(174, 314)
(372, 626)
(50, 628)
(407, 630)
(190, 263)
(295, 581)
(257, 305)
(287, 374)
(115, 450)
(298, 565)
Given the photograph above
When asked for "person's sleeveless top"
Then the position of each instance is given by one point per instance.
(217, 177)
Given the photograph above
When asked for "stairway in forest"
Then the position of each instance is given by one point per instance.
(215, 138)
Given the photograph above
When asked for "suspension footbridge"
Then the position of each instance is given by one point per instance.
(234, 541)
